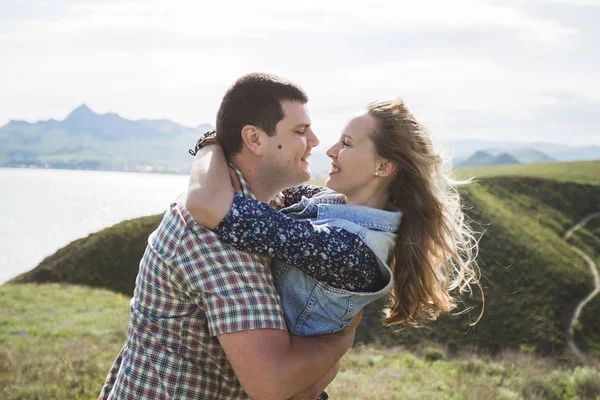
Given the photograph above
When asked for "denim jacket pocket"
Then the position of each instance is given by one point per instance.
(326, 311)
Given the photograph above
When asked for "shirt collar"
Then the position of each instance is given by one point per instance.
(243, 182)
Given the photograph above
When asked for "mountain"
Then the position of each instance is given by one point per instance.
(531, 277)
(482, 158)
(526, 153)
(503, 159)
(85, 139)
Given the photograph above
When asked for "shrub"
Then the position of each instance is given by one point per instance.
(541, 389)
(431, 354)
(474, 366)
(586, 382)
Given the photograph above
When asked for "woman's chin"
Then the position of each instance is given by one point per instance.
(329, 184)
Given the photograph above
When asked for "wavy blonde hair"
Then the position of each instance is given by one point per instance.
(434, 258)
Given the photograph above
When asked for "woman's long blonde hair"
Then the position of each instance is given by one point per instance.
(434, 257)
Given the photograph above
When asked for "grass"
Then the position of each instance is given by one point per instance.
(58, 342)
(586, 172)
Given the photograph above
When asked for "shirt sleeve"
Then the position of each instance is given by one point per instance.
(294, 194)
(329, 254)
(233, 288)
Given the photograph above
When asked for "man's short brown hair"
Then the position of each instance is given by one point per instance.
(254, 99)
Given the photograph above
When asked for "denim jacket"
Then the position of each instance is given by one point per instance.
(315, 308)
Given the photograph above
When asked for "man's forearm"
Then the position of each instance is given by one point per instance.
(313, 391)
(270, 365)
(311, 359)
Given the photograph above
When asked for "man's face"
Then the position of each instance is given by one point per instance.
(286, 162)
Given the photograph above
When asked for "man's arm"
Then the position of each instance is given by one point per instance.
(271, 365)
(315, 390)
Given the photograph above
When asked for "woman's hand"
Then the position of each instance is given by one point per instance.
(210, 191)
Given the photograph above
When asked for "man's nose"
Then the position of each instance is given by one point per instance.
(313, 140)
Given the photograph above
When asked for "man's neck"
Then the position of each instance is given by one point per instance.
(261, 189)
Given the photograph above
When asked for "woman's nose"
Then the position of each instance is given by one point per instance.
(332, 152)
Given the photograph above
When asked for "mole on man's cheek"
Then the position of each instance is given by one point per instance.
(280, 147)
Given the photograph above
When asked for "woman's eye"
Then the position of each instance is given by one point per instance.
(344, 144)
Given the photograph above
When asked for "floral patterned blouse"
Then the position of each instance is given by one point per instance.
(333, 256)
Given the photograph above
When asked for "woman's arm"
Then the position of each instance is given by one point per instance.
(210, 192)
(329, 254)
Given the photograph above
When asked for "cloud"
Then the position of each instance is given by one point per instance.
(155, 59)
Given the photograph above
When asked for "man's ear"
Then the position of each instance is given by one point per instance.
(386, 168)
(253, 139)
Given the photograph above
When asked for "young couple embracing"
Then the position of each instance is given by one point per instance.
(253, 284)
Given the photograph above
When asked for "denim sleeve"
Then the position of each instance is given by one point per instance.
(329, 254)
(294, 194)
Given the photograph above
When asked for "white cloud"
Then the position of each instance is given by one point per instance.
(155, 59)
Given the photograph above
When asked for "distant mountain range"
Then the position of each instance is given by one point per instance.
(476, 153)
(505, 156)
(86, 140)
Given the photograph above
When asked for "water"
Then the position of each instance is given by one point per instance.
(43, 210)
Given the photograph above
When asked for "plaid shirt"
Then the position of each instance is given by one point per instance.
(190, 289)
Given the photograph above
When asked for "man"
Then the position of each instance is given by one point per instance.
(205, 319)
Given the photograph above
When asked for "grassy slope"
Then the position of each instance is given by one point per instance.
(532, 279)
(588, 239)
(107, 259)
(58, 341)
(586, 172)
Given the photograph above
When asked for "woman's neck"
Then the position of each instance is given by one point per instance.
(370, 198)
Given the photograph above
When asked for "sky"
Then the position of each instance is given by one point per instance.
(519, 70)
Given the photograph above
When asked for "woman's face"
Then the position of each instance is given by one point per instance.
(353, 158)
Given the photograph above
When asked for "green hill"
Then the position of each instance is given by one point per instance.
(587, 172)
(532, 278)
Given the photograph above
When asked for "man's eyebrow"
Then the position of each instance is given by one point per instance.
(302, 125)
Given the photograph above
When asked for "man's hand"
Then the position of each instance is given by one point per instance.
(314, 390)
(272, 365)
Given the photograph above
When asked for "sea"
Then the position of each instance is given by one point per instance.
(42, 210)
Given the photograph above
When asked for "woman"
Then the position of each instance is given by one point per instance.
(334, 258)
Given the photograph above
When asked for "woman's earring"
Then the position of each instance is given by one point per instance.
(376, 173)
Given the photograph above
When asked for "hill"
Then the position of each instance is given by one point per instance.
(585, 172)
(58, 342)
(86, 140)
(531, 276)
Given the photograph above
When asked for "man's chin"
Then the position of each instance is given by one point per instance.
(306, 175)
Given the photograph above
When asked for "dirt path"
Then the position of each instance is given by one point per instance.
(589, 297)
